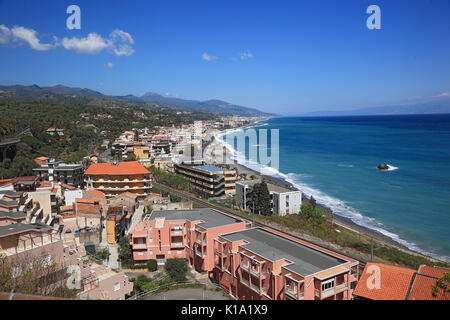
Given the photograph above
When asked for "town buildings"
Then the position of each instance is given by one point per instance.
(283, 201)
(209, 180)
(54, 171)
(185, 234)
(115, 178)
(264, 264)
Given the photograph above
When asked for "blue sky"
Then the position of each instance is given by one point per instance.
(280, 56)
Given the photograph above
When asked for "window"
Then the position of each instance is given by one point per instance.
(30, 265)
(168, 252)
(117, 286)
(151, 240)
(140, 253)
(151, 252)
(179, 251)
(328, 285)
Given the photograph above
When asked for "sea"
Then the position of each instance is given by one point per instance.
(335, 160)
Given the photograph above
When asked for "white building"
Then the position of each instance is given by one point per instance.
(283, 200)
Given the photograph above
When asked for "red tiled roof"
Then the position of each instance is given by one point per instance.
(84, 200)
(68, 187)
(424, 279)
(129, 194)
(5, 181)
(93, 194)
(122, 168)
(94, 208)
(394, 282)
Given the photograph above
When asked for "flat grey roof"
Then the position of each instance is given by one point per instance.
(211, 218)
(305, 260)
(21, 227)
(270, 186)
(17, 215)
(11, 193)
(211, 169)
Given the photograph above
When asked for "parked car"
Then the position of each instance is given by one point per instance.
(68, 231)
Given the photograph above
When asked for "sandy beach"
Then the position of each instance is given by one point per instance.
(210, 157)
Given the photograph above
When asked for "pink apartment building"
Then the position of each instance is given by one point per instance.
(185, 234)
(260, 264)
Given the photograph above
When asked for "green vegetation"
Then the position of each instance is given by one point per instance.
(125, 254)
(152, 265)
(31, 275)
(85, 121)
(176, 268)
(441, 288)
(170, 179)
(261, 199)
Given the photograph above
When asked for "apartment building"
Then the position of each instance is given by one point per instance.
(185, 234)
(263, 264)
(283, 201)
(209, 180)
(116, 178)
(55, 171)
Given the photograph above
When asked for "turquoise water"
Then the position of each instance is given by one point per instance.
(335, 158)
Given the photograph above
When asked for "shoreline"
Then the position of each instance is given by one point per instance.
(338, 220)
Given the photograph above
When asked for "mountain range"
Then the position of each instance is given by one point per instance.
(20, 92)
(440, 104)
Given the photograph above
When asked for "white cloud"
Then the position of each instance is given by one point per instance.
(207, 57)
(246, 55)
(92, 44)
(122, 35)
(110, 65)
(119, 42)
(5, 34)
(22, 35)
(444, 94)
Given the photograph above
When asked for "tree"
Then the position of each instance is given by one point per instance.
(131, 157)
(261, 198)
(125, 255)
(176, 268)
(441, 288)
(312, 201)
(152, 265)
(311, 214)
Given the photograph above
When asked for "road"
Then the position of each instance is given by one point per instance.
(254, 222)
(188, 294)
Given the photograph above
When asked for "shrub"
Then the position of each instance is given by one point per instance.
(176, 268)
(152, 265)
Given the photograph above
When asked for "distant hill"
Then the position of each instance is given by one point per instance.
(19, 92)
(214, 106)
(436, 105)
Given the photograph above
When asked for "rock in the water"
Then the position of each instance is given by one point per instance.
(383, 166)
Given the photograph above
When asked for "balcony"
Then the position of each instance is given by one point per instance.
(177, 245)
(244, 266)
(174, 233)
(329, 292)
(139, 246)
(255, 288)
(245, 282)
(291, 294)
(256, 273)
(198, 253)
